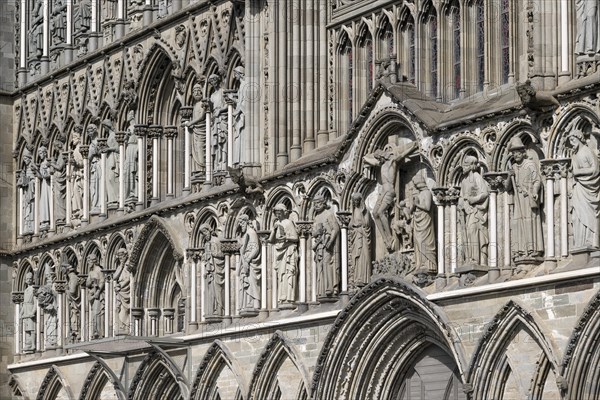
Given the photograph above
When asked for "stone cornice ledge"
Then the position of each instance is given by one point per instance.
(517, 284)
(47, 361)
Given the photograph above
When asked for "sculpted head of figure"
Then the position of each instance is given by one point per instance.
(419, 180)
(319, 202)
(42, 153)
(130, 115)
(239, 72)
(243, 222)
(469, 164)
(206, 231)
(214, 80)
(29, 278)
(49, 275)
(576, 138)
(122, 255)
(356, 199)
(26, 156)
(91, 131)
(92, 260)
(280, 211)
(76, 138)
(517, 149)
(197, 91)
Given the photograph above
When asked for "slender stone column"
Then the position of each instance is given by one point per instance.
(52, 221)
(68, 206)
(60, 287)
(186, 115)
(171, 134)
(229, 132)
(496, 183)
(108, 302)
(439, 196)
(21, 216)
(153, 314)
(17, 299)
(549, 170)
(192, 257)
(83, 308)
(137, 315)
(103, 206)
(230, 248)
(263, 235)
(563, 170)
(344, 218)
(304, 229)
(452, 195)
(202, 286)
(36, 211)
(39, 320)
(45, 60)
(155, 132)
(141, 132)
(84, 150)
(169, 314)
(208, 145)
(120, 136)
(296, 85)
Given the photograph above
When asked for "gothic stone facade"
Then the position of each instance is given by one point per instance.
(306, 199)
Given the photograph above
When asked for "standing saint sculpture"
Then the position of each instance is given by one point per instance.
(73, 300)
(26, 182)
(111, 175)
(76, 178)
(198, 126)
(122, 280)
(388, 161)
(360, 241)
(94, 156)
(250, 266)
(95, 284)
(284, 237)
(588, 16)
(585, 199)
(28, 314)
(44, 173)
(131, 159)
(214, 274)
(525, 182)
(325, 233)
(239, 115)
(422, 225)
(218, 125)
(473, 205)
(59, 188)
(47, 300)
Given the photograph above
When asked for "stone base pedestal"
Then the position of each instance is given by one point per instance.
(327, 299)
(286, 306)
(249, 312)
(582, 256)
(213, 319)
(263, 314)
(469, 273)
(302, 307)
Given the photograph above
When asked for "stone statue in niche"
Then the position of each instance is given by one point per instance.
(122, 280)
(218, 126)
(36, 30)
(525, 182)
(388, 161)
(402, 225)
(83, 15)
(163, 8)
(44, 173)
(198, 126)
(585, 200)
(284, 237)
(131, 159)
(214, 274)
(112, 165)
(76, 178)
(325, 233)
(422, 224)
(109, 8)
(59, 172)
(360, 241)
(239, 115)
(26, 182)
(95, 286)
(588, 15)
(28, 314)
(94, 156)
(73, 299)
(473, 206)
(250, 265)
(58, 24)
(47, 300)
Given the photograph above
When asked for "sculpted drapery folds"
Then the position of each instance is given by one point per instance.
(588, 29)
(585, 198)
(59, 189)
(44, 173)
(325, 233)
(422, 224)
(473, 204)
(198, 126)
(525, 182)
(58, 22)
(250, 264)
(218, 126)
(131, 159)
(47, 299)
(95, 285)
(239, 115)
(73, 300)
(214, 273)
(76, 179)
(388, 160)
(360, 241)
(28, 314)
(122, 280)
(95, 169)
(284, 237)
(83, 15)
(26, 182)
(112, 165)
(36, 30)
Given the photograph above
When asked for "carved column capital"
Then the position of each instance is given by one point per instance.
(155, 131)
(440, 196)
(344, 218)
(17, 297)
(102, 144)
(264, 236)
(169, 313)
(60, 286)
(140, 130)
(108, 274)
(230, 246)
(82, 279)
(120, 136)
(555, 168)
(84, 150)
(171, 132)
(137, 313)
(193, 254)
(496, 180)
(452, 195)
(186, 113)
(304, 228)
(154, 313)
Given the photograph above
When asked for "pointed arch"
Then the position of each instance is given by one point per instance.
(491, 365)
(157, 86)
(281, 194)
(323, 186)
(158, 378)
(24, 267)
(95, 383)
(16, 387)
(208, 214)
(155, 223)
(581, 116)
(582, 356)
(218, 357)
(53, 384)
(91, 248)
(450, 171)
(382, 331)
(517, 128)
(279, 357)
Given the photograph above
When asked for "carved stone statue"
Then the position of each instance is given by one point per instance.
(198, 126)
(47, 299)
(402, 225)
(26, 182)
(28, 314)
(58, 22)
(95, 285)
(422, 224)
(95, 169)
(525, 182)
(473, 204)
(585, 201)
(218, 123)
(59, 172)
(325, 233)
(112, 165)
(44, 173)
(239, 115)
(76, 178)
(36, 30)
(131, 159)
(122, 280)
(83, 15)
(388, 160)
(588, 17)
(73, 300)
(284, 237)
(250, 265)
(360, 241)
(214, 273)
(109, 8)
